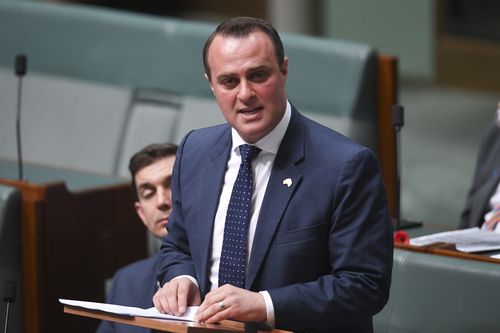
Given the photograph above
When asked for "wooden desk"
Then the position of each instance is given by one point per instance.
(428, 229)
(446, 252)
(226, 326)
(71, 242)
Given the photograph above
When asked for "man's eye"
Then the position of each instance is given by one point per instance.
(259, 76)
(229, 83)
(147, 194)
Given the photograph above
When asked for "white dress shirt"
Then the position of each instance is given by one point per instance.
(261, 166)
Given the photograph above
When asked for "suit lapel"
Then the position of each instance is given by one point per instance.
(284, 180)
(211, 180)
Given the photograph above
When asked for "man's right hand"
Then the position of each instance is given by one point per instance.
(176, 295)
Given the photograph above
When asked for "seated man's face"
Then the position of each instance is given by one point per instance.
(153, 188)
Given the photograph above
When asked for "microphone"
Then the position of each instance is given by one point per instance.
(398, 121)
(9, 296)
(20, 70)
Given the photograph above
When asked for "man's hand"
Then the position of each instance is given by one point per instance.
(176, 295)
(229, 302)
(493, 219)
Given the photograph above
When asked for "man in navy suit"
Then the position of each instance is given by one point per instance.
(319, 247)
(135, 284)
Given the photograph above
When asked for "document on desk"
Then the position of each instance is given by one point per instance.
(466, 240)
(130, 310)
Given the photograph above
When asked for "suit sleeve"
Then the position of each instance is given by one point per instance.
(360, 250)
(175, 258)
(479, 178)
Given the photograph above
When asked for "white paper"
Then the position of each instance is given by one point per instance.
(466, 240)
(130, 310)
(496, 256)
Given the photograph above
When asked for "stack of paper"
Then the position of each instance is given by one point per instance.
(466, 240)
(131, 311)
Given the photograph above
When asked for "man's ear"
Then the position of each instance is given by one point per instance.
(138, 209)
(284, 69)
(210, 83)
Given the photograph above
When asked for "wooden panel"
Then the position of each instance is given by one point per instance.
(387, 97)
(468, 62)
(32, 196)
(72, 242)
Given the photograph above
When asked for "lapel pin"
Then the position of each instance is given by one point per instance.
(287, 182)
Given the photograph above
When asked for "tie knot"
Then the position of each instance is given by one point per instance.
(248, 153)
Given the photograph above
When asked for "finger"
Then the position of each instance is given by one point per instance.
(160, 301)
(170, 299)
(218, 316)
(493, 221)
(182, 296)
(156, 302)
(212, 313)
(212, 297)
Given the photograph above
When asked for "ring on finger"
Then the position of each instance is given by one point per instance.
(221, 305)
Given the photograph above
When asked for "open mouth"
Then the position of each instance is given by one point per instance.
(250, 111)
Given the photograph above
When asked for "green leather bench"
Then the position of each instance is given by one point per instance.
(434, 293)
(101, 84)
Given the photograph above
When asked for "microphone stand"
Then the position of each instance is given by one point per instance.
(9, 297)
(20, 71)
(398, 123)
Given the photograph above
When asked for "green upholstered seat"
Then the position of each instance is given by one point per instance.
(101, 83)
(433, 293)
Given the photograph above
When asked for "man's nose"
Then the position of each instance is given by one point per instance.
(164, 197)
(246, 91)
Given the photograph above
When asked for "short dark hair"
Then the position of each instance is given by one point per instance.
(147, 156)
(241, 26)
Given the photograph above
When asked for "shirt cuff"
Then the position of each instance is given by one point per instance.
(192, 279)
(269, 308)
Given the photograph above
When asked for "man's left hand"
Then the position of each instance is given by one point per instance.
(229, 302)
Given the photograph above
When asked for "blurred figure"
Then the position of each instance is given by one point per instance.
(482, 207)
(135, 284)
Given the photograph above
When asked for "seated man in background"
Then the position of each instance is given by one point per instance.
(135, 284)
(482, 207)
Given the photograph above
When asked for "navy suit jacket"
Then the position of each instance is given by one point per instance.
(485, 181)
(133, 285)
(323, 246)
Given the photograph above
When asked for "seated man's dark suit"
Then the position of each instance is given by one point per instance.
(323, 245)
(485, 182)
(133, 285)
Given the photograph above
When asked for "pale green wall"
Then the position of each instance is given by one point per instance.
(405, 28)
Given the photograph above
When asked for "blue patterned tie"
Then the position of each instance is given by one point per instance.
(233, 256)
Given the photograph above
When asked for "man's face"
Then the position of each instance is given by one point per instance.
(248, 84)
(153, 188)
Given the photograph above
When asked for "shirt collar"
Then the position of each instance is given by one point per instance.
(271, 142)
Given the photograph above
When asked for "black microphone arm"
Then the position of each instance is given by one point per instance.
(20, 70)
(398, 122)
(9, 296)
